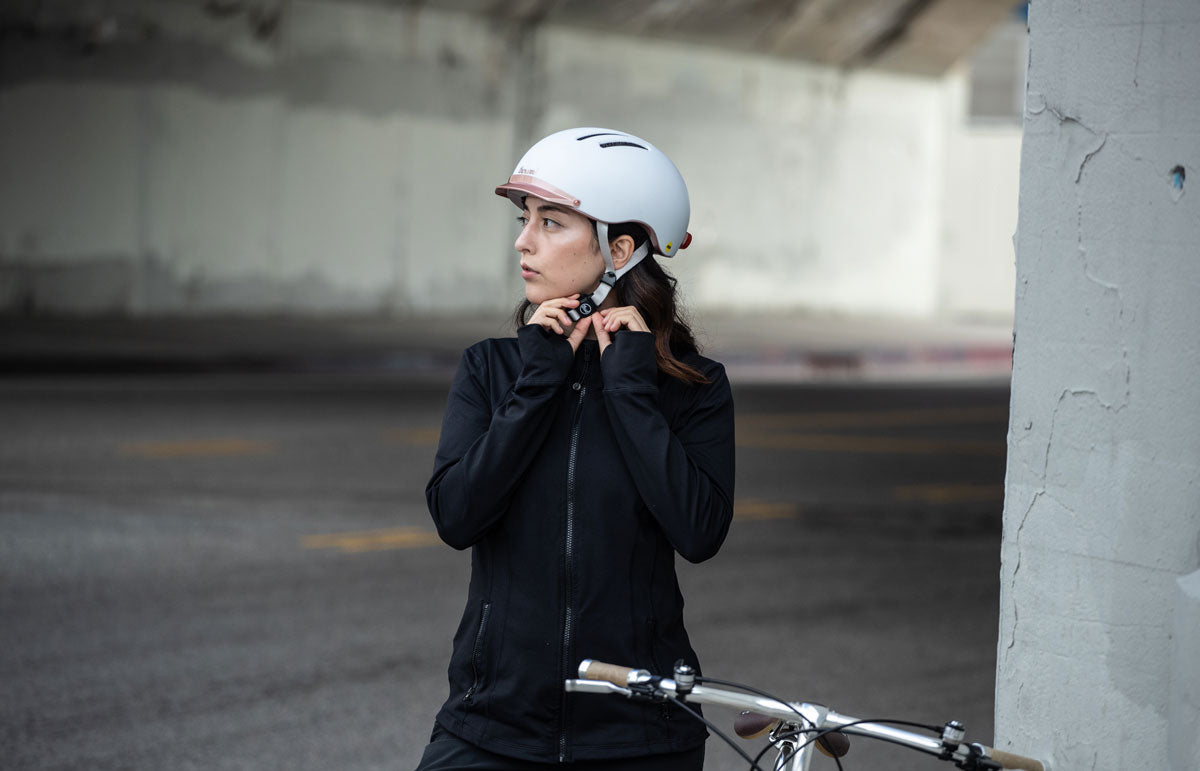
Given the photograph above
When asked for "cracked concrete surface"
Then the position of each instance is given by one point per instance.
(1104, 440)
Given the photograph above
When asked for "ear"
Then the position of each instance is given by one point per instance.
(621, 250)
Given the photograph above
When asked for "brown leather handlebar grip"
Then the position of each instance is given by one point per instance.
(835, 744)
(1014, 762)
(751, 725)
(598, 670)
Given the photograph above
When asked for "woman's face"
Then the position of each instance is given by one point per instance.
(559, 254)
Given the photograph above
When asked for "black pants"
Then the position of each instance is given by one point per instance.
(446, 752)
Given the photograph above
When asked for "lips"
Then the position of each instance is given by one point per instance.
(527, 272)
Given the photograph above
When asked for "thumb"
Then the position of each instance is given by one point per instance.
(580, 332)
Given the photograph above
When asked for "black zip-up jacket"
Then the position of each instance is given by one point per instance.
(575, 480)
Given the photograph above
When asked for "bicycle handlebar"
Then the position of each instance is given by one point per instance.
(598, 670)
(1013, 761)
(633, 682)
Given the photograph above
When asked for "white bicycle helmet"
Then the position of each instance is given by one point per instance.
(611, 177)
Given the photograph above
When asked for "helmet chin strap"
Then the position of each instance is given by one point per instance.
(590, 303)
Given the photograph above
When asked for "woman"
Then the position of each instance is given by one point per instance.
(575, 460)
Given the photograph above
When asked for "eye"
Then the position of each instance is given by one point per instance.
(522, 220)
(549, 223)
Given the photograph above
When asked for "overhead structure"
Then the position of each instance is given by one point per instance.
(916, 37)
(920, 37)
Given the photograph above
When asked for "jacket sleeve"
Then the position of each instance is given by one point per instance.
(685, 476)
(483, 452)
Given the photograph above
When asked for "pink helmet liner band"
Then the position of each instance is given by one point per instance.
(527, 185)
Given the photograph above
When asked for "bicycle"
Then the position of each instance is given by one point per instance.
(794, 729)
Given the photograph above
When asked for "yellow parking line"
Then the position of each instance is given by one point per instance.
(355, 542)
(753, 508)
(869, 444)
(417, 436)
(925, 416)
(196, 448)
(373, 540)
(949, 493)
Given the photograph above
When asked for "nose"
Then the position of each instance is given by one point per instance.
(524, 242)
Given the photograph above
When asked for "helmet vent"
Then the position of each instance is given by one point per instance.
(622, 144)
(598, 134)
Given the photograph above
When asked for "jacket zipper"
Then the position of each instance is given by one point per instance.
(568, 549)
(477, 653)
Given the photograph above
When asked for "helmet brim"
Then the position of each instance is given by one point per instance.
(521, 185)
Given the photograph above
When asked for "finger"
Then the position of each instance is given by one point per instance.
(629, 317)
(579, 332)
(602, 337)
(616, 320)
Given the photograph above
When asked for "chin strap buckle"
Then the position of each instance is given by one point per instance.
(590, 303)
(587, 306)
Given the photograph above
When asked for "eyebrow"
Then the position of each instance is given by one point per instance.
(548, 207)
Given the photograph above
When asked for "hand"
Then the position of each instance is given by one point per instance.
(552, 316)
(612, 319)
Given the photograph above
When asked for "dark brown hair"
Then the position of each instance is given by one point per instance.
(650, 289)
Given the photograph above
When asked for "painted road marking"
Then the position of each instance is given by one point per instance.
(756, 509)
(421, 437)
(778, 431)
(745, 510)
(949, 493)
(356, 542)
(870, 444)
(791, 431)
(915, 417)
(374, 540)
(197, 448)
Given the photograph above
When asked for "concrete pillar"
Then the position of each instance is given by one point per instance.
(1103, 488)
(1183, 709)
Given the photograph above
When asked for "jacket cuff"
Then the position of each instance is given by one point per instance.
(545, 356)
(629, 363)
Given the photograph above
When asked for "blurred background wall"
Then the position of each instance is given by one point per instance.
(329, 157)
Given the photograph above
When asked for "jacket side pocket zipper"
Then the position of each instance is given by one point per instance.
(477, 654)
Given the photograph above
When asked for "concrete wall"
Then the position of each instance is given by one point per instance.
(197, 169)
(171, 160)
(1102, 511)
(977, 270)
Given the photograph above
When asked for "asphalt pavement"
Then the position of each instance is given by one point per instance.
(216, 552)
